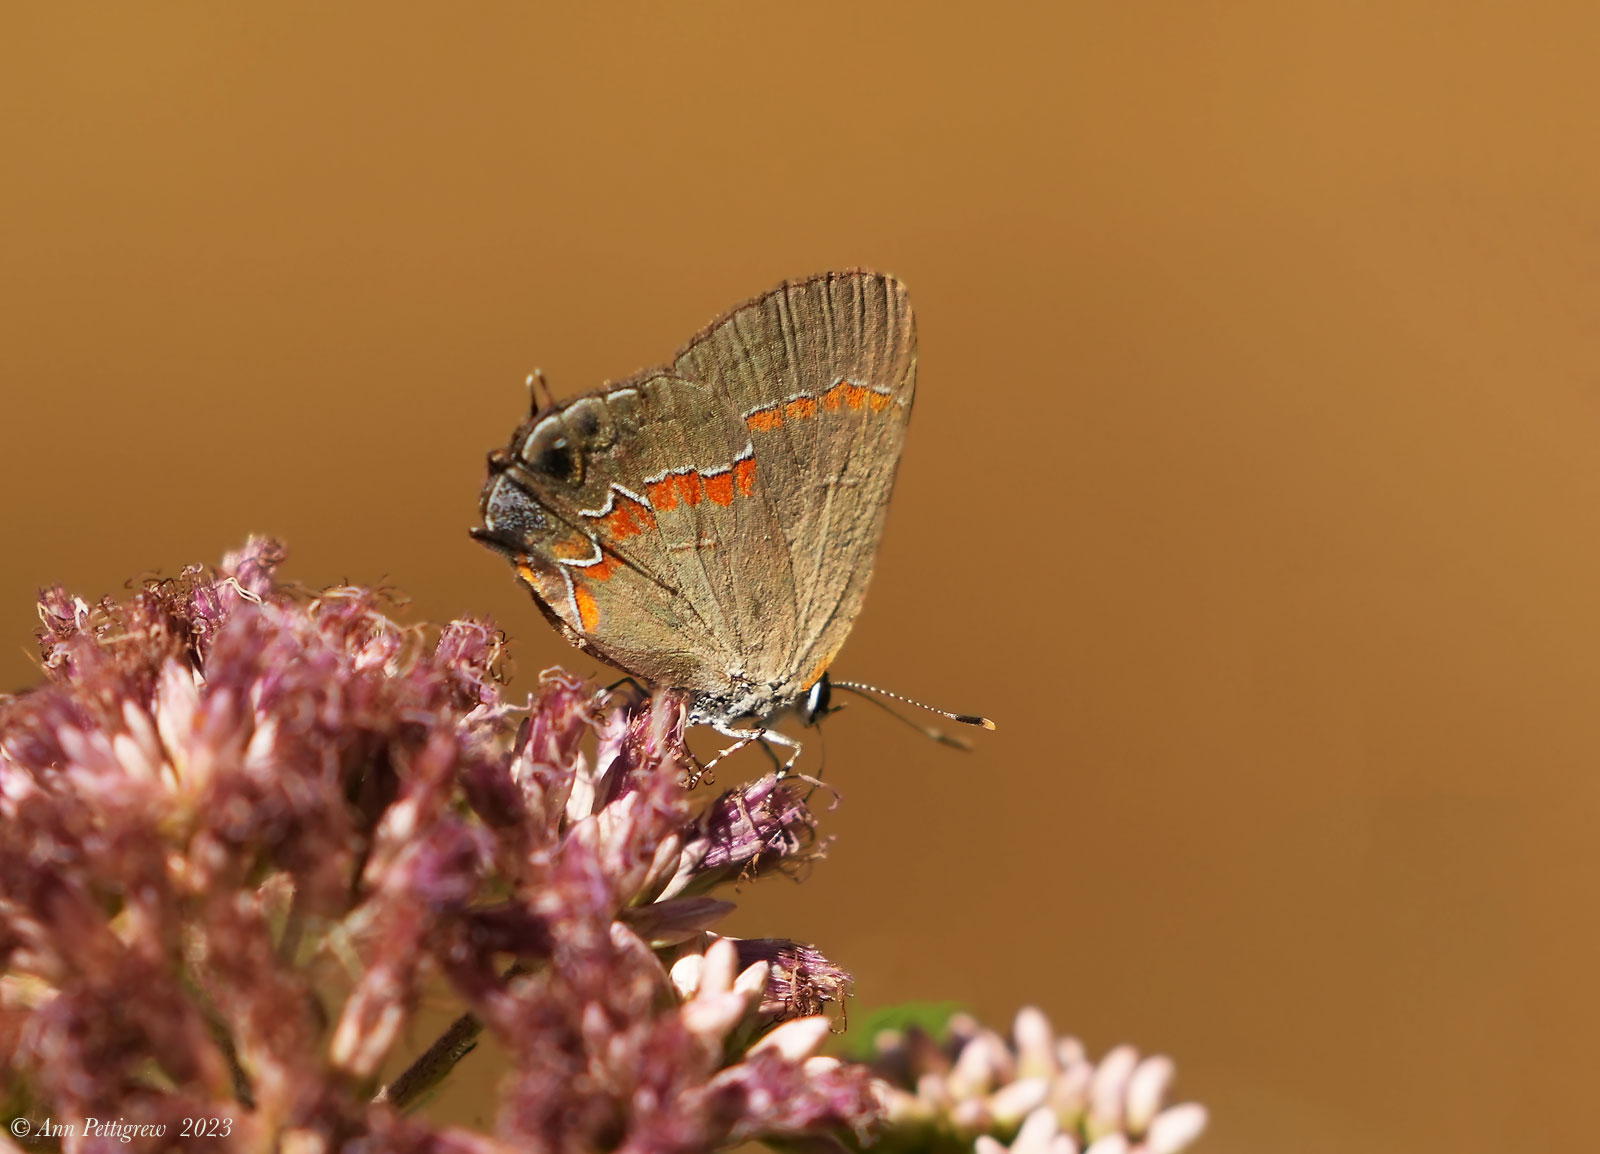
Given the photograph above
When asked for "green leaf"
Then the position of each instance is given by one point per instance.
(933, 1018)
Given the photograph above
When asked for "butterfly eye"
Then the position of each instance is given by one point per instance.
(549, 452)
(554, 457)
(557, 460)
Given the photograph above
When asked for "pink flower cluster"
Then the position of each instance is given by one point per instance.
(243, 829)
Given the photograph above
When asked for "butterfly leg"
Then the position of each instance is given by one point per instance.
(742, 738)
(766, 748)
(637, 688)
(767, 738)
(773, 737)
(701, 771)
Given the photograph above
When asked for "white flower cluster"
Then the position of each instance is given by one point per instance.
(1039, 1095)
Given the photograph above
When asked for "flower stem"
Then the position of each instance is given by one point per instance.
(434, 1063)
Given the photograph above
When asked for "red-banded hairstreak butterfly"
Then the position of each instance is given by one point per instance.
(711, 525)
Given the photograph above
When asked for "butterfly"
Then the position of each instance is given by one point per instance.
(710, 525)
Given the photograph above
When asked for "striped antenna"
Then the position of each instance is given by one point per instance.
(866, 693)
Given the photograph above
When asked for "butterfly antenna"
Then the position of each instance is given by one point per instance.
(538, 385)
(822, 764)
(866, 693)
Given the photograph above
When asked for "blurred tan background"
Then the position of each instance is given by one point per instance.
(1254, 485)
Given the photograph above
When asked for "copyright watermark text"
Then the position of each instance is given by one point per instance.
(50, 1129)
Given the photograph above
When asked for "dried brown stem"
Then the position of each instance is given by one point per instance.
(434, 1063)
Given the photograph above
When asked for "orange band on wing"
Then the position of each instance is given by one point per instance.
(719, 488)
(770, 417)
(674, 489)
(845, 393)
(663, 494)
(628, 518)
(588, 608)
